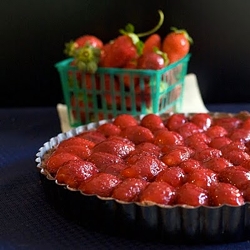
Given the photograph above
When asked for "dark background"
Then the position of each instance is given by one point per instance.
(33, 34)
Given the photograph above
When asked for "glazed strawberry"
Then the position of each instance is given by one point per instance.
(190, 165)
(137, 134)
(115, 147)
(176, 44)
(173, 176)
(202, 177)
(146, 167)
(73, 173)
(246, 192)
(129, 189)
(207, 153)
(82, 151)
(219, 142)
(115, 168)
(192, 195)
(102, 160)
(152, 122)
(188, 129)
(152, 60)
(175, 121)
(136, 155)
(229, 123)
(197, 141)
(246, 164)
(76, 141)
(93, 136)
(54, 162)
(102, 184)
(109, 129)
(237, 157)
(159, 193)
(175, 157)
(216, 131)
(217, 164)
(202, 120)
(125, 120)
(147, 147)
(235, 175)
(246, 124)
(225, 193)
(234, 145)
(164, 137)
(240, 134)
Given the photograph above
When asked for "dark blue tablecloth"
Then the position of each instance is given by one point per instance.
(27, 221)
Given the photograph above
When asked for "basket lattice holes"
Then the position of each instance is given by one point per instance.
(111, 91)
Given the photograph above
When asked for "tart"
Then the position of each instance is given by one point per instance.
(174, 177)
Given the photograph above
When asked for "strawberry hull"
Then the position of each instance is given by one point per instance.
(113, 91)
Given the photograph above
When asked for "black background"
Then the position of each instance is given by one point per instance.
(33, 34)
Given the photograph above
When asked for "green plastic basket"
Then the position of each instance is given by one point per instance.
(113, 91)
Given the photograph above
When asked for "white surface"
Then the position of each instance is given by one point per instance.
(192, 102)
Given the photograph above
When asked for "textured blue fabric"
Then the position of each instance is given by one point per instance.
(27, 221)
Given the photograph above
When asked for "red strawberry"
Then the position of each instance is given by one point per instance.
(73, 173)
(190, 194)
(86, 52)
(173, 176)
(101, 184)
(76, 141)
(146, 167)
(202, 120)
(137, 134)
(151, 43)
(127, 47)
(202, 177)
(159, 193)
(102, 160)
(115, 147)
(121, 51)
(125, 120)
(88, 39)
(129, 189)
(152, 122)
(176, 44)
(54, 162)
(152, 60)
(81, 42)
(109, 129)
(225, 193)
(235, 175)
(175, 121)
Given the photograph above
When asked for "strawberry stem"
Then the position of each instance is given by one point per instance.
(147, 33)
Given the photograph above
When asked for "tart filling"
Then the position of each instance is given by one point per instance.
(187, 160)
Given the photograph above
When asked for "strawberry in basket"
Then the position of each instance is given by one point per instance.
(127, 89)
